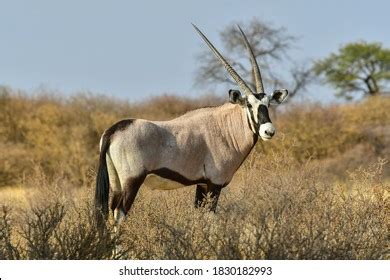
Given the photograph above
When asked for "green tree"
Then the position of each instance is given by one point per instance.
(357, 67)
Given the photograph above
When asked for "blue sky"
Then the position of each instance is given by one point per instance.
(136, 49)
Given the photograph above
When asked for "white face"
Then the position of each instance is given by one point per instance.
(257, 110)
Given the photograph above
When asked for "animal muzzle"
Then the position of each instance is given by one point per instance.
(267, 131)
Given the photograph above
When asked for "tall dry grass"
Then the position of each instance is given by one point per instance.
(276, 212)
(62, 134)
(320, 190)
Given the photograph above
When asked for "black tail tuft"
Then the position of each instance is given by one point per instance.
(102, 186)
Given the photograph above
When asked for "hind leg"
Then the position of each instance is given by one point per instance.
(122, 202)
(116, 188)
(116, 203)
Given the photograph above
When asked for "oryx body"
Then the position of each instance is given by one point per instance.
(204, 147)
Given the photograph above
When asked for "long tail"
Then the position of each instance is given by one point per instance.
(102, 185)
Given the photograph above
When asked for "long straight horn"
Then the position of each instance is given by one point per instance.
(240, 82)
(255, 66)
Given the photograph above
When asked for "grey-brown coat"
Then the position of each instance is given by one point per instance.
(203, 147)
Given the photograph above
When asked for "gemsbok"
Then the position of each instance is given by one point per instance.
(203, 147)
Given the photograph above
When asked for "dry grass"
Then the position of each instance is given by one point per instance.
(320, 190)
(62, 135)
(273, 213)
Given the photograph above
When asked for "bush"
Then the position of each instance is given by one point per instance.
(291, 199)
(282, 213)
(63, 134)
(53, 232)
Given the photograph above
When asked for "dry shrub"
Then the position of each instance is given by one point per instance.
(8, 249)
(55, 222)
(284, 203)
(63, 133)
(281, 214)
(276, 211)
(372, 112)
(167, 107)
(316, 131)
(55, 231)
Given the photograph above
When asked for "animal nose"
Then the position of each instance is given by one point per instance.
(270, 133)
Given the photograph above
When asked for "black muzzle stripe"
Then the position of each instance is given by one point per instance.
(263, 115)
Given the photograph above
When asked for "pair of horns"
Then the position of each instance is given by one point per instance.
(255, 67)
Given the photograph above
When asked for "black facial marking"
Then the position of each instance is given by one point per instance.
(259, 95)
(263, 114)
(252, 116)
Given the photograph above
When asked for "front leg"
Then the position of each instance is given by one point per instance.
(202, 192)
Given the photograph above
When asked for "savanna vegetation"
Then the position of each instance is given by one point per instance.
(319, 190)
(358, 67)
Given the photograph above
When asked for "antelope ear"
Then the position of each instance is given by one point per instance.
(278, 96)
(235, 97)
